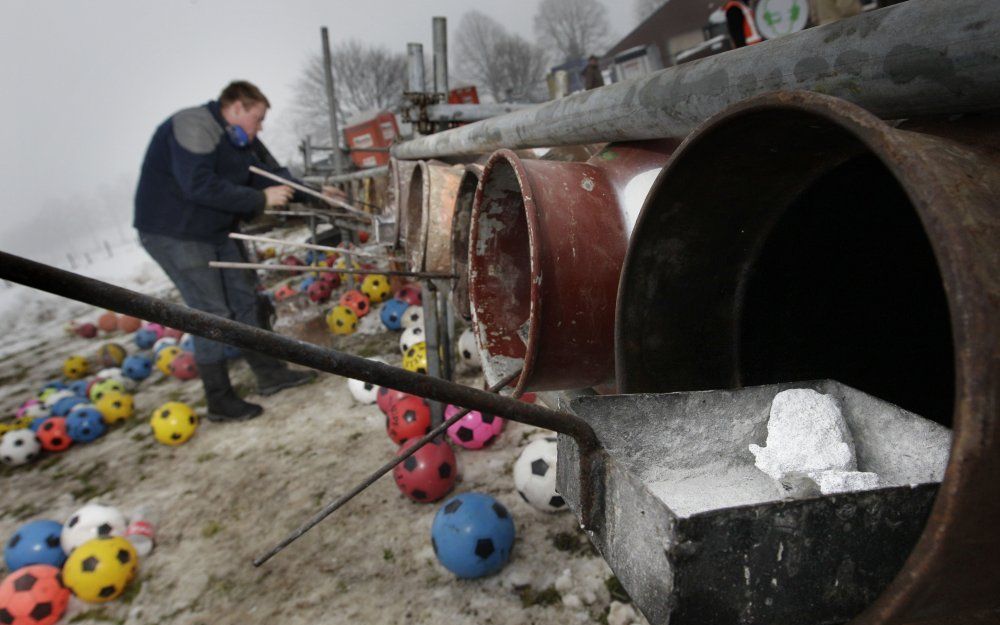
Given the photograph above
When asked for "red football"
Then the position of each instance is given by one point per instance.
(333, 279)
(183, 367)
(128, 324)
(53, 436)
(409, 418)
(291, 259)
(108, 322)
(86, 330)
(409, 293)
(33, 595)
(321, 290)
(356, 301)
(363, 236)
(387, 397)
(429, 474)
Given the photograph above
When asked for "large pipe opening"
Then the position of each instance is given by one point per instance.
(780, 247)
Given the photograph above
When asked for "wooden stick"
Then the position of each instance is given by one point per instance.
(218, 264)
(312, 192)
(312, 246)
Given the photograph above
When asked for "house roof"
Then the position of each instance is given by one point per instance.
(672, 19)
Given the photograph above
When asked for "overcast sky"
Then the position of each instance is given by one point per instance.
(85, 82)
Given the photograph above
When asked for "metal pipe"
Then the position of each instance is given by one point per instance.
(415, 67)
(439, 33)
(221, 264)
(371, 479)
(310, 246)
(470, 112)
(920, 57)
(101, 294)
(310, 192)
(331, 99)
(354, 175)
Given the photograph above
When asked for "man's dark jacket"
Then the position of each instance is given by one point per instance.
(195, 183)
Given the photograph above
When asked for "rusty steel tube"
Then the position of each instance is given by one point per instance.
(427, 211)
(796, 236)
(916, 58)
(546, 244)
(460, 221)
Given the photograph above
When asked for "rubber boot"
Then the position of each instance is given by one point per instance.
(223, 402)
(273, 375)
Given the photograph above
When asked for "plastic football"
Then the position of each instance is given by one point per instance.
(93, 520)
(100, 569)
(342, 320)
(409, 293)
(99, 389)
(35, 542)
(33, 595)
(19, 447)
(357, 302)
(411, 336)
(115, 406)
(85, 424)
(468, 351)
(110, 355)
(415, 358)
(183, 367)
(376, 287)
(535, 475)
(165, 357)
(137, 367)
(409, 418)
(53, 434)
(76, 367)
(173, 423)
(472, 535)
(391, 314)
(429, 474)
(413, 315)
(475, 430)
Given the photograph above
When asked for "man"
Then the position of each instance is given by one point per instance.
(592, 78)
(194, 189)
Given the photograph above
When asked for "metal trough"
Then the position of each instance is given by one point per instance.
(546, 244)
(428, 210)
(699, 536)
(796, 236)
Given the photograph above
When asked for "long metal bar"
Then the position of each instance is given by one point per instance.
(111, 297)
(354, 175)
(371, 479)
(470, 112)
(331, 101)
(310, 192)
(221, 264)
(311, 246)
(439, 35)
(921, 57)
(317, 213)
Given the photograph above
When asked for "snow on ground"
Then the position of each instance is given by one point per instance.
(235, 489)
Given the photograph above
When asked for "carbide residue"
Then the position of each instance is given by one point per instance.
(488, 229)
(587, 183)
(746, 574)
(781, 550)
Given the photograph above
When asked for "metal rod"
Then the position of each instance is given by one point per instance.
(336, 504)
(331, 100)
(429, 298)
(311, 192)
(101, 294)
(921, 57)
(354, 175)
(221, 264)
(439, 34)
(311, 246)
(415, 67)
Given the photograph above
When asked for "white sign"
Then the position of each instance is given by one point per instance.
(776, 18)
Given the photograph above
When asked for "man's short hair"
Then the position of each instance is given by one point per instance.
(246, 92)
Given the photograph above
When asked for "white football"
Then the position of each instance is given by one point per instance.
(167, 341)
(413, 315)
(364, 392)
(53, 398)
(468, 351)
(36, 410)
(411, 336)
(94, 520)
(535, 475)
(18, 447)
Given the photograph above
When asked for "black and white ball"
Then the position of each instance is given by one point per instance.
(54, 398)
(411, 336)
(468, 351)
(413, 316)
(364, 392)
(115, 373)
(19, 447)
(535, 475)
(94, 520)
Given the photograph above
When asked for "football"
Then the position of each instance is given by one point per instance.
(410, 417)
(468, 351)
(173, 423)
(411, 336)
(475, 430)
(35, 542)
(91, 521)
(472, 535)
(413, 316)
(19, 447)
(427, 475)
(33, 595)
(99, 569)
(535, 475)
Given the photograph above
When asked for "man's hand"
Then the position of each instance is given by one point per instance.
(334, 193)
(278, 195)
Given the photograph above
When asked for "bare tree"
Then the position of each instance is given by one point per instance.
(366, 77)
(572, 28)
(645, 8)
(505, 66)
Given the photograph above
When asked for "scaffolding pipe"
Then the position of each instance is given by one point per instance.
(415, 67)
(922, 57)
(356, 175)
(440, 41)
